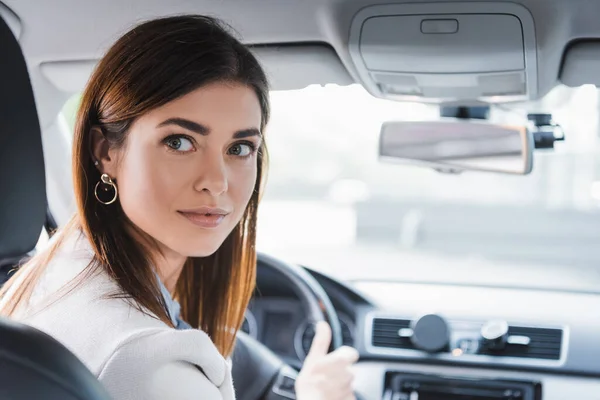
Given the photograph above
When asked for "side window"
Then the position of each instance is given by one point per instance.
(69, 111)
(58, 139)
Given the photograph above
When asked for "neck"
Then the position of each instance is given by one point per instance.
(169, 267)
(167, 262)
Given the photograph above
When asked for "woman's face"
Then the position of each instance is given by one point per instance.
(188, 169)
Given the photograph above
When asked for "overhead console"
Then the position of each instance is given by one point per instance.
(446, 51)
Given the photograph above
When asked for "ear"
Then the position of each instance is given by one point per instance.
(101, 153)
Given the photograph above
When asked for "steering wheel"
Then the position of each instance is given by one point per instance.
(258, 373)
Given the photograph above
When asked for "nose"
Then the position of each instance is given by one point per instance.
(212, 175)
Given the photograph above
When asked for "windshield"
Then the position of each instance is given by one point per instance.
(331, 205)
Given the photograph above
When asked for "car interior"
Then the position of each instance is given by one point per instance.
(434, 189)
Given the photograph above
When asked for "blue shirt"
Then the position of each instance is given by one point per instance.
(173, 307)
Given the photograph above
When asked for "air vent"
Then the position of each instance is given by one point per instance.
(543, 344)
(385, 333)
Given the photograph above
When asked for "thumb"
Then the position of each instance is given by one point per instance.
(321, 341)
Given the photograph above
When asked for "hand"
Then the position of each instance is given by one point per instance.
(326, 376)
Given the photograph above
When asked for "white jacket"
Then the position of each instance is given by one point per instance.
(133, 354)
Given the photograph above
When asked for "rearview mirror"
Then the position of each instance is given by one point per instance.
(456, 146)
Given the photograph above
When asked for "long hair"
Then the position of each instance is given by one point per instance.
(155, 63)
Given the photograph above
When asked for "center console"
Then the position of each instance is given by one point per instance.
(406, 386)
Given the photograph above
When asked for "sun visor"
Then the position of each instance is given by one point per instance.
(297, 66)
(581, 64)
(68, 76)
(319, 64)
(446, 51)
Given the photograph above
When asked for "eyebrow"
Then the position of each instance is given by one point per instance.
(203, 130)
(186, 124)
(244, 133)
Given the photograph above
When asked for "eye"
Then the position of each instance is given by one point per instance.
(242, 149)
(179, 143)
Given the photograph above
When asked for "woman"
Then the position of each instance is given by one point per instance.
(168, 165)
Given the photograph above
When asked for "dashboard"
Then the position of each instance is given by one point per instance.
(281, 325)
(425, 341)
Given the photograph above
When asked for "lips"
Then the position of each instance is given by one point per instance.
(205, 217)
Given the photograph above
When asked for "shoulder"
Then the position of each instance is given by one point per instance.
(74, 306)
(134, 354)
(159, 364)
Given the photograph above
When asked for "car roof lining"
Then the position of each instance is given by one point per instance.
(297, 31)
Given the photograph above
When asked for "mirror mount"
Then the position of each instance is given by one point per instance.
(546, 132)
(449, 171)
(465, 112)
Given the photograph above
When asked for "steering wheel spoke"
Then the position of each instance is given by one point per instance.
(284, 385)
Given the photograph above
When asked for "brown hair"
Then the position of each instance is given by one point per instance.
(151, 65)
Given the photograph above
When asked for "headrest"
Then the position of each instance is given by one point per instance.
(22, 180)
